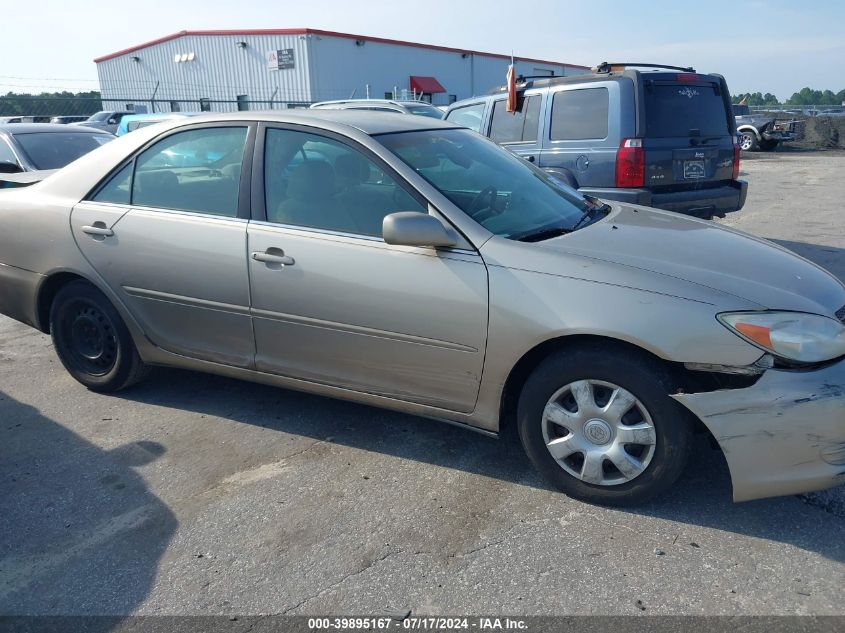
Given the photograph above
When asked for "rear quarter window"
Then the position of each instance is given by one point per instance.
(684, 109)
(579, 114)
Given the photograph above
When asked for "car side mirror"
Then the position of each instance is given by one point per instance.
(411, 228)
(10, 168)
(112, 121)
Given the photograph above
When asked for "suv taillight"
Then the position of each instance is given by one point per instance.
(630, 163)
(736, 161)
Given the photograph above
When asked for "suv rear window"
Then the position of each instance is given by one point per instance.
(676, 109)
(516, 127)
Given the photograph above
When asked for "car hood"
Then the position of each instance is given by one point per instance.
(708, 255)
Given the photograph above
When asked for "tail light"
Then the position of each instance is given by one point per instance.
(630, 163)
(688, 77)
(736, 161)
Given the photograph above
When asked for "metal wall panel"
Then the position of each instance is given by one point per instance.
(341, 66)
(326, 67)
(220, 71)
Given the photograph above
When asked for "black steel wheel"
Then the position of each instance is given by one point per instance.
(91, 339)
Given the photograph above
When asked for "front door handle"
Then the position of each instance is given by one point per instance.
(99, 229)
(274, 256)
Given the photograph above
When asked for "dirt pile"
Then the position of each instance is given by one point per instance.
(821, 132)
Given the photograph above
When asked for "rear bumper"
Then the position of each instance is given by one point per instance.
(700, 203)
(784, 435)
(18, 290)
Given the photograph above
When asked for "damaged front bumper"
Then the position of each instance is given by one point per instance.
(778, 135)
(783, 435)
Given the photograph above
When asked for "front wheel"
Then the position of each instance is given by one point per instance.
(748, 141)
(600, 426)
(91, 339)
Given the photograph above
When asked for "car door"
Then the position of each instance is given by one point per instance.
(582, 137)
(518, 131)
(333, 303)
(167, 233)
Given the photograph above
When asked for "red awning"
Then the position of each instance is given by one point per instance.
(427, 85)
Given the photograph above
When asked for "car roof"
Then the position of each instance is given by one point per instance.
(29, 128)
(157, 115)
(366, 121)
(354, 102)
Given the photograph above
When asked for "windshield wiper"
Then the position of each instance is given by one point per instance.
(588, 213)
(543, 234)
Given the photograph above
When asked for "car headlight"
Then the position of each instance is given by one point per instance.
(806, 338)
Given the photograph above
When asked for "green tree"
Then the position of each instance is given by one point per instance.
(50, 103)
(756, 98)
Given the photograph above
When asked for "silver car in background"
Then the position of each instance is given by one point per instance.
(420, 108)
(414, 265)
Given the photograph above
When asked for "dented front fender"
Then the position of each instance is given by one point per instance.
(783, 435)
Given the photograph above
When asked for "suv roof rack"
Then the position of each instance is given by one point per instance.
(606, 67)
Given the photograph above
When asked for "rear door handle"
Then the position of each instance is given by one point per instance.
(100, 231)
(277, 257)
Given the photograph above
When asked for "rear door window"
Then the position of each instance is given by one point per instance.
(516, 127)
(196, 170)
(579, 114)
(684, 109)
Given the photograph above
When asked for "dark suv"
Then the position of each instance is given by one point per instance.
(658, 136)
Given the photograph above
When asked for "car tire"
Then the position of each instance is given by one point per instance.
(92, 340)
(767, 145)
(748, 141)
(661, 429)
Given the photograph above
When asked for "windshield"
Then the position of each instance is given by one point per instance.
(506, 195)
(99, 116)
(53, 150)
(425, 110)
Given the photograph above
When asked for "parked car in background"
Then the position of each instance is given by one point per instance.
(132, 122)
(420, 108)
(761, 130)
(68, 118)
(107, 120)
(44, 146)
(29, 118)
(663, 137)
(415, 265)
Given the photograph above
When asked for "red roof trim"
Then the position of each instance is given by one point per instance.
(349, 36)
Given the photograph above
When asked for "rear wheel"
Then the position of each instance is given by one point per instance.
(92, 341)
(748, 141)
(600, 426)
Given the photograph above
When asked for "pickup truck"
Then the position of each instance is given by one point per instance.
(761, 131)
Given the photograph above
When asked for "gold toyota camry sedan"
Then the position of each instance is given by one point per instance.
(407, 263)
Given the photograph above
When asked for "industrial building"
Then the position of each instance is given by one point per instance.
(259, 69)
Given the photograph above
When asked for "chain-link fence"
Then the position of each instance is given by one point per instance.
(805, 110)
(40, 109)
(23, 108)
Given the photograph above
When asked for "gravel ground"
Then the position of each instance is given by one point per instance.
(193, 494)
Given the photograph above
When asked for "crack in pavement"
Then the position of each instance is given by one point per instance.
(373, 562)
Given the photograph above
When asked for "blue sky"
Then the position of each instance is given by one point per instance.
(773, 46)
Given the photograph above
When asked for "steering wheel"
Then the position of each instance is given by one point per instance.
(476, 204)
